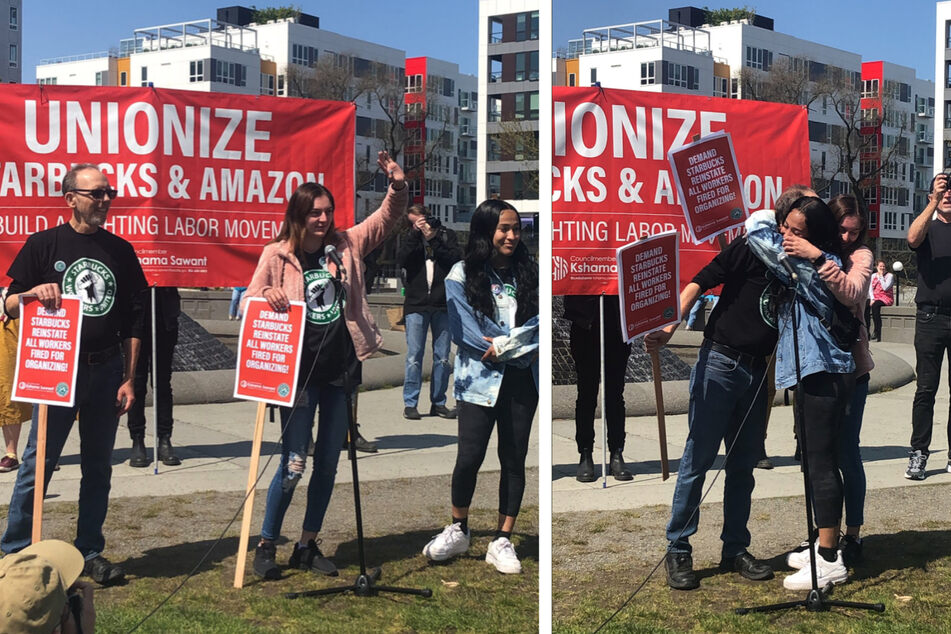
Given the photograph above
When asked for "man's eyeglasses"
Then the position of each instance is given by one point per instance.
(98, 194)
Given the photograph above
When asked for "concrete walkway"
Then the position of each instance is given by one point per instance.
(214, 442)
(885, 435)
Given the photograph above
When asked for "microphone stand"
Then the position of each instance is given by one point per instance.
(815, 600)
(365, 584)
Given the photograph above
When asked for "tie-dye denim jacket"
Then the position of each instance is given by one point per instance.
(477, 381)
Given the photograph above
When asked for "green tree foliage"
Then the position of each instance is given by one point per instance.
(262, 16)
(720, 16)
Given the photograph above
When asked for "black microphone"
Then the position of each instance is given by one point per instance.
(330, 252)
(783, 259)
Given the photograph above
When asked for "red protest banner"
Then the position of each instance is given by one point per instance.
(47, 351)
(709, 185)
(648, 284)
(612, 182)
(269, 353)
(203, 178)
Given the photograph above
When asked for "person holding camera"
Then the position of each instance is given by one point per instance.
(426, 254)
(929, 236)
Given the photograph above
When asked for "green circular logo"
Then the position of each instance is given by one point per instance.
(668, 313)
(320, 293)
(283, 390)
(736, 213)
(510, 290)
(94, 283)
(62, 389)
(60, 266)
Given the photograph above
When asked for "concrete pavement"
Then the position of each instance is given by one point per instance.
(885, 435)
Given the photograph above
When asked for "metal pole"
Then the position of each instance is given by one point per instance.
(604, 420)
(154, 391)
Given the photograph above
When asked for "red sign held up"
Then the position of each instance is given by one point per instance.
(648, 272)
(710, 186)
(269, 353)
(47, 352)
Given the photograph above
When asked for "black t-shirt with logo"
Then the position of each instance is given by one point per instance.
(745, 316)
(328, 347)
(933, 256)
(100, 267)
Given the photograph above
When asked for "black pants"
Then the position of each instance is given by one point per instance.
(513, 411)
(932, 341)
(162, 384)
(586, 353)
(824, 400)
(875, 308)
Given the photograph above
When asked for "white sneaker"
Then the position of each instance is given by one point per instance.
(447, 544)
(949, 465)
(827, 572)
(799, 559)
(501, 554)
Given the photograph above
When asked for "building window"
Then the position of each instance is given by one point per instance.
(734, 88)
(759, 58)
(229, 73)
(196, 70)
(267, 84)
(647, 74)
(145, 76)
(721, 87)
(571, 79)
(303, 55)
(526, 26)
(681, 75)
(281, 86)
(526, 66)
(414, 111)
(869, 89)
(102, 78)
(14, 19)
(46, 81)
(124, 78)
(594, 76)
(414, 83)
(495, 30)
(14, 55)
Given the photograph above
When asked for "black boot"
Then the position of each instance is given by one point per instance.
(138, 456)
(165, 452)
(618, 468)
(586, 467)
(362, 444)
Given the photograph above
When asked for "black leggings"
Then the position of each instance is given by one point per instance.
(825, 397)
(514, 410)
(876, 309)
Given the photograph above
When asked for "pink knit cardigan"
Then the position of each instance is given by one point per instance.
(279, 267)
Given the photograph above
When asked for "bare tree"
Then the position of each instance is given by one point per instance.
(516, 142)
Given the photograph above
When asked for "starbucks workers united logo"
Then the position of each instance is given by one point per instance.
(94, 283)
(320, 293)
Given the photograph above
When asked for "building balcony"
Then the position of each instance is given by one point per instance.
(77, 58)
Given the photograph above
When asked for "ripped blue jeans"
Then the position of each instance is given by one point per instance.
(331, 432)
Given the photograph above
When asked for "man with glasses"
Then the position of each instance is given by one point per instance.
(80, 258)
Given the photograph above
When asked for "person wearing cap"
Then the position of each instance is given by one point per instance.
(40, 594)
(80, 257)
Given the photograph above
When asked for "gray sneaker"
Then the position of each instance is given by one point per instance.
(917, 463)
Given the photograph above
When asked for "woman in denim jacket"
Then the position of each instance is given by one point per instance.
(492, 296)
(826, 369)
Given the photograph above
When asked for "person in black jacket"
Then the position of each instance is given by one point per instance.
(583, 312)
(427, 253)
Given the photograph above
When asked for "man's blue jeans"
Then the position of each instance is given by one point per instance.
(298, 427)
(416, 326)
(96, 387)
(722, 391)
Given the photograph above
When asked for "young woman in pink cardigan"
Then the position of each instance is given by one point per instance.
(850, 286)
(339, 334)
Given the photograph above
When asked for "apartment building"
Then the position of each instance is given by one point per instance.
(11, 41)
(293, 57)
(748, 59)
(508, 98)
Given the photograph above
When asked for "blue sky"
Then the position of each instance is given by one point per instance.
(900, 32)
(57, 28)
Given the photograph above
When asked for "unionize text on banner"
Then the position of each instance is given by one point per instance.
(203, 179)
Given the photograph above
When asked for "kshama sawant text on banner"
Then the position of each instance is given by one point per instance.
(203, 178)
(612, 182)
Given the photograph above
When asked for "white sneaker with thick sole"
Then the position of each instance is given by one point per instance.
(450, 542)
(501, 554)
(827, 572)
